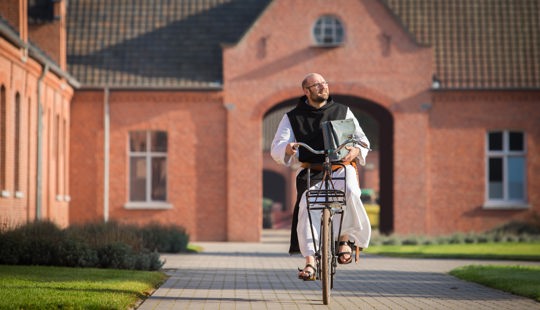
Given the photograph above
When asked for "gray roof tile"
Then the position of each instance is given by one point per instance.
(154, 43)
(480, 44)
(177, 43)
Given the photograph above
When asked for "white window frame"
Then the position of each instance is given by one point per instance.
(505, 154)
(328, 22)
(148, 155)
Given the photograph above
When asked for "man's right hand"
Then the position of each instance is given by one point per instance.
(291, 149)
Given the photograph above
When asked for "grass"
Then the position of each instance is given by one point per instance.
(38, 287)
(504, 251)
(519, 280)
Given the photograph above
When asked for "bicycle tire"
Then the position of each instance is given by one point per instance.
(326, 268)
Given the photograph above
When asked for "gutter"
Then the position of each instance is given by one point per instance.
(13, 37)
(39, 164)
(106, 148)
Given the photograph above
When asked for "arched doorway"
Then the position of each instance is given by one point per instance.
(382, 143)
(376, 121)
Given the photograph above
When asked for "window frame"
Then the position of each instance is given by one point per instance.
(505, 202)
(148, 156)
(319, 41)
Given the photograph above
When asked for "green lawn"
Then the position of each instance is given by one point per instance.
(506, 251)
(37, 287)
(523, 281)
(519, 280)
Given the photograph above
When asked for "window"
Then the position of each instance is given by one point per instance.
(328, 31)
(506, 169)
(147, 167)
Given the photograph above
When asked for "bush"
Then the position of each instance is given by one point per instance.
(513, 232)
(105, 245)
(164, 239)
(35, 243)
(76, 253)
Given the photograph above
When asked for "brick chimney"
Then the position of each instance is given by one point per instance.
(47, 27)
(14, 12)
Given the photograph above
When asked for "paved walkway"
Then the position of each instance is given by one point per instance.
(263, 276)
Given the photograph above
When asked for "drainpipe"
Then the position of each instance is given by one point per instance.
(39, 166)
(106, 147)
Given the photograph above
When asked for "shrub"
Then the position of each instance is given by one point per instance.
(513, 232)
(76, 253)
(106, 245)
(116, 255)
(37, 243)
(165, 238)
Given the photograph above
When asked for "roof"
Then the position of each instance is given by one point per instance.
(154, 43)
(480, 44)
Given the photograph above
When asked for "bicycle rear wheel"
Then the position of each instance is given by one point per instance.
(326, 256)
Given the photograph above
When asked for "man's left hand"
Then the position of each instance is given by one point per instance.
(353, 153)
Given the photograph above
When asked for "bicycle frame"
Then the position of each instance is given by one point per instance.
(330, 202)
(333, 200)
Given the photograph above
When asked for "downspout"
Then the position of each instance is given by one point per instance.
(106, 147)
(39, 166)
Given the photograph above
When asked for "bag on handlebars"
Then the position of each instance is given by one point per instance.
(334, 134)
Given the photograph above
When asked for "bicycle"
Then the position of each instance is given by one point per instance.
(330, 201)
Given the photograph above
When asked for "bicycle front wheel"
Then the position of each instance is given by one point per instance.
(326, 256)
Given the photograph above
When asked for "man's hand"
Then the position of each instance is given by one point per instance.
(291, 149)
(353, 153)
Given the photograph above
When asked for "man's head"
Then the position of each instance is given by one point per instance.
(316, 89)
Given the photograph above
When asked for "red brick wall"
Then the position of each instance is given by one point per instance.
(86, 157)
(196, 170)
(14, 12)
(266, 68)
(20, 204)
(215, 139)
(51, 36)
(459, 122)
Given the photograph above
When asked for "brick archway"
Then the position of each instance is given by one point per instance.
(385, 149)
(386, 155)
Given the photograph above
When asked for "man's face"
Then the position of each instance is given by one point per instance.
(317, 89)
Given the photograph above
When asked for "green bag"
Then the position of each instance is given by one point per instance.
(334, 134)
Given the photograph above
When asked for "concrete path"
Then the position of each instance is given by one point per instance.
(263, 276)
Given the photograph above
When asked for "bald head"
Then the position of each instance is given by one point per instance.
(311, 77)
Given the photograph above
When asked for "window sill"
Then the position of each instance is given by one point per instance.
(505, 205)
(327, 45)
(148, 206)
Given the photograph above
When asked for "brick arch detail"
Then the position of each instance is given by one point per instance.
(352, 91)
(346, 89)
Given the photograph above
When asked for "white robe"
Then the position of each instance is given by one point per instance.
(356, 222)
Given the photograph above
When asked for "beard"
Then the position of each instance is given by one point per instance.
(319, 97)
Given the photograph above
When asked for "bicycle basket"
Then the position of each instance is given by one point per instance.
(335, 133)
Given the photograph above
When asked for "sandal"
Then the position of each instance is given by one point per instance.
(307, 275)
(342, 254)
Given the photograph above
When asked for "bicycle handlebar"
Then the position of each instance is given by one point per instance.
(309, 148)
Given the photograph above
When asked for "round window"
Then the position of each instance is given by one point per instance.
(328, 30)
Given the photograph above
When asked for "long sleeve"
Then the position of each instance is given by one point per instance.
(284, 135)
(361, 135)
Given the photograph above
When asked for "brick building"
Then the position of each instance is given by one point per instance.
(178, 101)
(35, 96)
